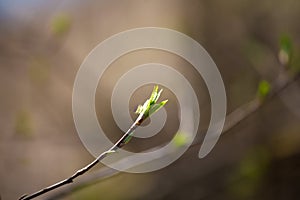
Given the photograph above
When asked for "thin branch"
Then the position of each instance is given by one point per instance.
(232, 120)
(83, 170)
(244, 111)
(148, 108)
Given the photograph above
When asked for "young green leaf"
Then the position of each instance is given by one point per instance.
(151, 106)
(286, 44)
(286, 50)
(263, 90)
(148, 108)
(154, 108)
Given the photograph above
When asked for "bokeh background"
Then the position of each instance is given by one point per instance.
(43, 43)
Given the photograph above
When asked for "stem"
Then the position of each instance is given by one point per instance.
(119, 144)
(232, 120)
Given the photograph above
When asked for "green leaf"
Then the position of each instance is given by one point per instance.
(151, 106)
(286, 44)
(180, 139)
(153, 94)
(286, 50)
(154, 108)
(263, 90)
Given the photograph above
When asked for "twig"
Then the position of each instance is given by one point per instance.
(232, 120)
(80, 172)
(144, 112)
(244, 111)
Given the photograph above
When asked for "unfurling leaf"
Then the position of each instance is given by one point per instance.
(151, 106)
(154, 108)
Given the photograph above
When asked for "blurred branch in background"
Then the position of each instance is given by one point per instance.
(265, 93)
(41, 53)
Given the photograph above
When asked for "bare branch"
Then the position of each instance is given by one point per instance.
(232, 119)
(144, 112)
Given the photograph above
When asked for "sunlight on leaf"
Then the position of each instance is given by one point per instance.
(151, 106)
(154, 108)
(148, 108)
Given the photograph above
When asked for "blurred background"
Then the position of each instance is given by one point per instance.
(43, 43)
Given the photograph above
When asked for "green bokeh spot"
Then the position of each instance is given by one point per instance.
(60, 24)
(263, 90)
(180, 139)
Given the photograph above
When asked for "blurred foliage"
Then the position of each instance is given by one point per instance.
(263, 89)
(38, 71)
(180, 139)
(60, 24)
(23, 123)
(288, 55)
(255, 52)
(295, 62)
(286, 50)
(222, 26)
(247, 179)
